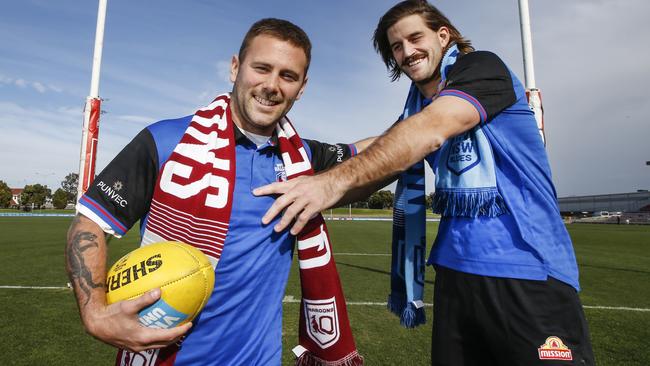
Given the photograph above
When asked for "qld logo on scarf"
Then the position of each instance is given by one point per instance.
(463, 153)
(322, 321)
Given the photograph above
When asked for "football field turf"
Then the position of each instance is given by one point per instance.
(39, 324)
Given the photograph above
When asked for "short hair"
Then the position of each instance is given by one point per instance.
(432, 17)
(280, 29)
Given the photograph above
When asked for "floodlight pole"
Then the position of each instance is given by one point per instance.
(533, 94)
(92, 110)
(527, 44)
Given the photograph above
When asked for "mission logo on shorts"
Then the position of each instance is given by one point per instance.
(554, 349)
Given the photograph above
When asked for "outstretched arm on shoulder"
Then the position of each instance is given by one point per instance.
(393, 152)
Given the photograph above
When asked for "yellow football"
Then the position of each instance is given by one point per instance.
(183, 274)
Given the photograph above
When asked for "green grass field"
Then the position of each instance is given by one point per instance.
(365, 212)
(41, 326)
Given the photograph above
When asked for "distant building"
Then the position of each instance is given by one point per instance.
(619, 202)
(15, 197)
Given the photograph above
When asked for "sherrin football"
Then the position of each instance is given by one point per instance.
(183, 274)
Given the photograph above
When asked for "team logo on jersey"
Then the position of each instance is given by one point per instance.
(322, 321)
(463, 153)
(338, 149)
(111, 192)
(280, 173)
(554, 349)
(339, 153)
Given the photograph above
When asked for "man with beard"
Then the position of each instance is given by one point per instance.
(506, 275)
(190, 180)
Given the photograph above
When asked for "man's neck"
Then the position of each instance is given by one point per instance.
(428, 88)
(257, 139)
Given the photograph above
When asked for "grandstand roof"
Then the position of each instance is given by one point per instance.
(623, 202)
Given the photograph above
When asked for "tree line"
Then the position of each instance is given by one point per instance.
(384, 200)
(36, 195)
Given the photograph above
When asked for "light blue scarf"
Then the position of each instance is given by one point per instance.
(409, 237)
(466, 183)
(465, 186)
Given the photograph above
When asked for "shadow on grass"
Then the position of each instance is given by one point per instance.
(614, 268)
(432, 282)
(339, 263)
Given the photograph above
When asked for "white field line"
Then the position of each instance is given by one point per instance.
(623, 308)
(365, 254)
(34, 287)
(289, 299)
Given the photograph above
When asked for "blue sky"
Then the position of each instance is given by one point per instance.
(165, 58)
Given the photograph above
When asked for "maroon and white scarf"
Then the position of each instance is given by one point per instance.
(192, 202)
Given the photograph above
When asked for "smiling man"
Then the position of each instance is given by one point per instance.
(190, 180)
(506, 275)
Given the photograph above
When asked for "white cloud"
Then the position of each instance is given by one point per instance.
(38, 86)
(39, 141)
(54, 88)
(135, 119)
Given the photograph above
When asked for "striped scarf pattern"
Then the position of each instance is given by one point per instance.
(197, 211)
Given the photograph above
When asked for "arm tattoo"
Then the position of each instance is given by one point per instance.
(77, 268)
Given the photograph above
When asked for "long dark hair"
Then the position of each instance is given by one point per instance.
(432, 17)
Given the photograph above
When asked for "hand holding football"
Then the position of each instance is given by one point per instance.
(183, 273)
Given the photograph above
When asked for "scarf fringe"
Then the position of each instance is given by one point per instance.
(469, 203)
(412, 316)
(396, 303)
(409, 315)
(308, 359)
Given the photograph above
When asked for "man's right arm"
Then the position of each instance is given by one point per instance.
(86, 263)
(391, 153)
(116, 324)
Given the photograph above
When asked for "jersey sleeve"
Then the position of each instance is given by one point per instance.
(120, 195)
(484, 80)
(325, 156)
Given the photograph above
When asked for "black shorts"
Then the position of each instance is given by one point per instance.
(479, 320)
